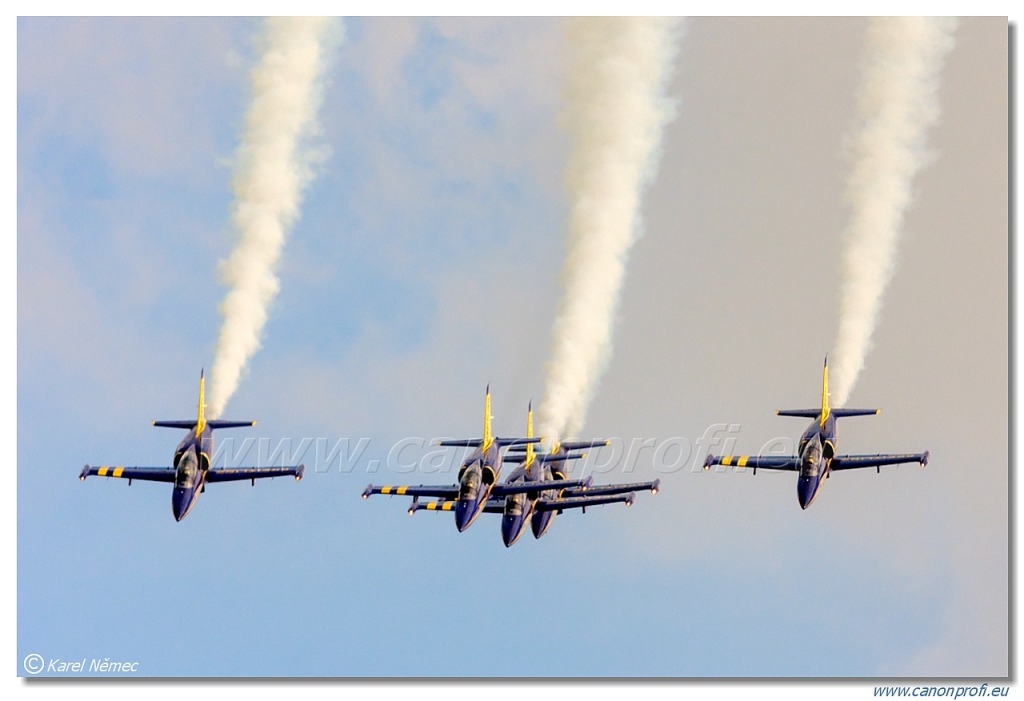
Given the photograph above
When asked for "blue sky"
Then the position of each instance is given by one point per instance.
(424, 266)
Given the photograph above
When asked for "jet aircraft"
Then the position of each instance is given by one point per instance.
(478, 477)
(552, 501)
(817, 450)
(191, 471)
(556, 494)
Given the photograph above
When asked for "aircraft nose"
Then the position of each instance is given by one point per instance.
(463, 515)
(805, 489)
(539, 523)
(179, 504)
(511, 528)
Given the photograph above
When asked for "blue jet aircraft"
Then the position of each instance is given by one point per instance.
(191, 469)
(478, 477)
(552, 468)
(817, 448)
(556, 493)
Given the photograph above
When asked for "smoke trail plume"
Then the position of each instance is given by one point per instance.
(897, 105)
(615, 113)
(273, 165)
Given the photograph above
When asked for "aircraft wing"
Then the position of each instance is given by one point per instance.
(491, 507)
(506, 488)
(849, 462)
(423, 490)
(764, 462)
(581, 502)
(439, 505)
(151, 474)
(231, 474)
(608, 489)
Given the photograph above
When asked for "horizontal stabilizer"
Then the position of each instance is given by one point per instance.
(478, 442)
(463, 443)
(186, 424)
(503, 442)
(555, 457)
(805, 413)
(572, 445)
(220, 423)
(854, 412)
(189, 424)
(815, 413)
(582, 445)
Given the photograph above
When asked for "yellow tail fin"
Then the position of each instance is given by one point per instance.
(824, 394)
(488, 438)
(529, 434)
(201, 418)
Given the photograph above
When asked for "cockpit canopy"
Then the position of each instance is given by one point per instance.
(810, 458)
(188, 467)
(470, 484)
(514, 504)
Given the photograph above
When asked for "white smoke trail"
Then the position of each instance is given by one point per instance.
(897, 105)
(273, 165)
(615, 113)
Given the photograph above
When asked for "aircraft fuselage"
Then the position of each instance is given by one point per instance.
(541, 521)
(817, 447)
(477, 477)
(518, 508)
(191, 461)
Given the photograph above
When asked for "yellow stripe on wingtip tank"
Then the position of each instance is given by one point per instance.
(102, 472)
(742, 462)
(401, 490)
(727, 460)
(118, 471)
(385, 490)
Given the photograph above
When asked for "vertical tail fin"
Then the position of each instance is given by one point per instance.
(488, 437)
(825, 412)
(529, 433)
(201, 417)
(824, 394)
